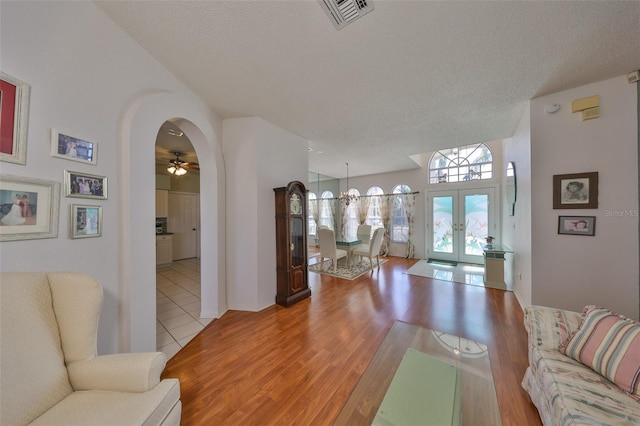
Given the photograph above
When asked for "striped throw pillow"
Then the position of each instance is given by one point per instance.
(609, 344)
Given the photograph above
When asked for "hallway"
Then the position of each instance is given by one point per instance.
(178, 305)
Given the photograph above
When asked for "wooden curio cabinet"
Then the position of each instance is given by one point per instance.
(291, 243)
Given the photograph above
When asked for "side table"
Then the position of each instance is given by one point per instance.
(494, 264)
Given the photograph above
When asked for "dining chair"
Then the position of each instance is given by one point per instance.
(328, 248)
(373, 250)
(364, 234)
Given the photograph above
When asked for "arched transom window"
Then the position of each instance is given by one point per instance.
(465, 163)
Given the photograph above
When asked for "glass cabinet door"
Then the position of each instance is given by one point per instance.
(297, 242)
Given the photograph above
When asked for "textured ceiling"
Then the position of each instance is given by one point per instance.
(408, 78)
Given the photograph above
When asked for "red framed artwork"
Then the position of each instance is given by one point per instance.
(14, 116)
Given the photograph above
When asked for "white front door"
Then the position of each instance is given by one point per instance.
(183, 222)
(458, 222)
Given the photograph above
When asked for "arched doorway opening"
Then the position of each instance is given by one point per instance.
(178, 278)
(137, 190)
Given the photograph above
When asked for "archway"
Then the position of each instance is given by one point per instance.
(140, 124)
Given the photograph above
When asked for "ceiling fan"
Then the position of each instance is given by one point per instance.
(179, 167)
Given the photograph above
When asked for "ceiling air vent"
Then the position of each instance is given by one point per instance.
(344, 12)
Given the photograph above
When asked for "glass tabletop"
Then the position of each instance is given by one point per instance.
(496, 247)
(346, 241)
(479, 401)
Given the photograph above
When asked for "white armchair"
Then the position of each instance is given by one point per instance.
(328, 248)
(373, 249)
(51, 373)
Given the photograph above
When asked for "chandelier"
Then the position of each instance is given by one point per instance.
(345, 196)
(177, 166)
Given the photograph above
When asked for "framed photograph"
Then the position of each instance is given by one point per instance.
(83, 185)
(575, 191)
(86, 221)
(29, 208)
(577, 225)
(72, 148)
(14, 117)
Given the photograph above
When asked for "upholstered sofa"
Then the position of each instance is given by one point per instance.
(566, 390)
(50, 371)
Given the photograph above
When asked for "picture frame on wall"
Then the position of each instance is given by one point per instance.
(575, 191)
(577, 225)
(14, 119)
(84, 185)
(29, 208)
(72, 148)
(86, 221)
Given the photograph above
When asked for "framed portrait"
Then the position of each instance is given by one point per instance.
(86, 221)
(577, 225)
(83, 185)
(575, 191)
(29, 208)
(72, 148)
(14, 117)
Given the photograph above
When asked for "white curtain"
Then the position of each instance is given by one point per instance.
(386, 202)
(409, 201)
(343, 209)
(334, 204)
(314, 211)
(363, 209)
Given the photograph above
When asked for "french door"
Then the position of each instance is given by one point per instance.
(458, 222)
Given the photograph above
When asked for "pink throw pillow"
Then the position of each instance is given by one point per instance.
(609, 344)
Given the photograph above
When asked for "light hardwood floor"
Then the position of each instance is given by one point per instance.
(298, 365)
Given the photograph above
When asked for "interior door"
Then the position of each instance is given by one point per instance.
(458, 222)
(183, 223)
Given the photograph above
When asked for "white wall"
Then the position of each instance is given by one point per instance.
(259, 157)
(516, 229)
(573, 271)
(89, 78)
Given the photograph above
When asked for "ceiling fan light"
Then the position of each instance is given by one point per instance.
(176, 166)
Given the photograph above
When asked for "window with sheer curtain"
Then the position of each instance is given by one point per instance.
(461, 164)
(326, 216)
(399, 222)
(374, 215)
(311, 206)
(351, 221)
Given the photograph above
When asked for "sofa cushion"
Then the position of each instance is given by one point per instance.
(572, 394)
(108, 408)
(33, 374)
(609, 344)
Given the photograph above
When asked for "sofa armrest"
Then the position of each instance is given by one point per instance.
(131, 372)
(549, 327)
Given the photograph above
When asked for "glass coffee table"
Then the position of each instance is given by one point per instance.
(478, 402)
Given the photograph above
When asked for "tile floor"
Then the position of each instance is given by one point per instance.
(178, 305)
(465, 273)
(462, 273)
